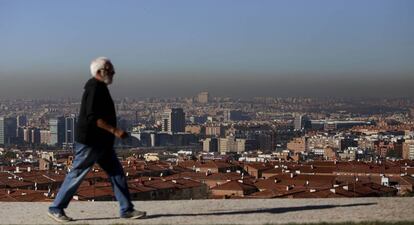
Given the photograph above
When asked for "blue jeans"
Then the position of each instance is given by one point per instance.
(85, 157)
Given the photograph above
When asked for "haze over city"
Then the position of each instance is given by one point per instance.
(229, 48)
(298, 111)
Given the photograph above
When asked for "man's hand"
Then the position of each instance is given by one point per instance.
(120, 133)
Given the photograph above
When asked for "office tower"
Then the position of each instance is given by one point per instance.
(21, 121)
(173, 120)
(70, 127)
(27, 132)
(20, 132)
(35, 136)
(203, 97)
(21, 124)
(302, 122)
(57, 131)
(2, 131)
(8, 130)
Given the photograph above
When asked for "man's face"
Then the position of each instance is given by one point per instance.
(108, 73)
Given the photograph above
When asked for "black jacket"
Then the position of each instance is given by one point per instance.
(96, 104)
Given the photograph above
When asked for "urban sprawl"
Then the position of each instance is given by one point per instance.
(217, 147)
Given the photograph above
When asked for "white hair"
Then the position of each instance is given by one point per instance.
(98, 64)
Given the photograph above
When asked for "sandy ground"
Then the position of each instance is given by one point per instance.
(257, 211)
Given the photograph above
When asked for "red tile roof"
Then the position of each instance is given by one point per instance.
(235, 185)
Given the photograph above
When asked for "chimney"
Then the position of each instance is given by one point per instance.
(292, 175)
(276, 180)
(287, 188)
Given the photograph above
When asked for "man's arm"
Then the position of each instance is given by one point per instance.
(111, 129)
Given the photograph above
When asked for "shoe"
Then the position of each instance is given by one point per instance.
(134, 214)
(58, 215)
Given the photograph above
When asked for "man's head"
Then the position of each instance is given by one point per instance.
(103, 70)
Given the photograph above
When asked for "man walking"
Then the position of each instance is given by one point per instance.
(95, 134)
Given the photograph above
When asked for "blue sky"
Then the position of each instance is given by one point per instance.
(236, 48)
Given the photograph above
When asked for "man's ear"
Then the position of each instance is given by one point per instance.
(99, 73)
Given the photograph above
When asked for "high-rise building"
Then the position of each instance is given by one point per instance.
(203, 97)
(8, 130)
(302, 122)
(21, 121)
(57, 131)
(214, 130)
(44, 136)
(27, 135)
(210, 145)
(70, 127)
(231, 144)
(35, 136)
(265, 141)
(408, 150)
(2, 130)
(173, 120)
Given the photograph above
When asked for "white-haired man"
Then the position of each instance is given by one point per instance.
(95, 134)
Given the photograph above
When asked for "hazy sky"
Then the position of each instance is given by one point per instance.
(229, 48)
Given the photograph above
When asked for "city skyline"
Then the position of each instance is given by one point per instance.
(236, 49)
